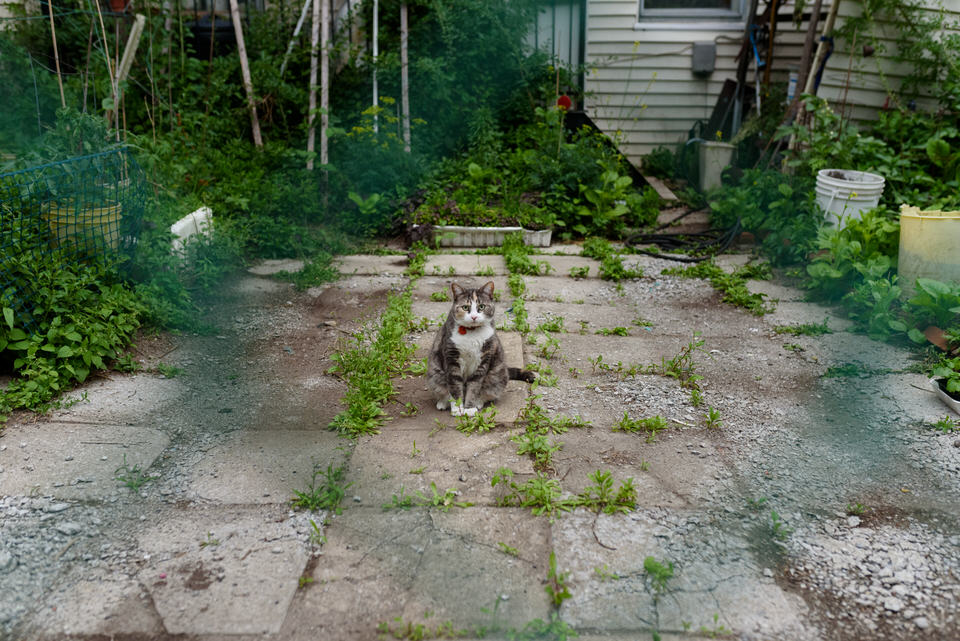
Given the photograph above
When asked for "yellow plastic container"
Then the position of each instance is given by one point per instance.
(84, 228)
(929, 247)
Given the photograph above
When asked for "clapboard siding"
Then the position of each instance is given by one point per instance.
(639, 82)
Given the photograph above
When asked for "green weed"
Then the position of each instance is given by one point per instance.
(441, 296)
(557, 587)
(482, 421)
(804, 329)
(604, 574)
(538, 447)
(168, 371)
(733, 286)
(778, 528)
(856, 509)
(615, 331)
(946, 425)
(658, 574)
(131, 476)
(324, 495)
(651, 425)
(601, 497)
(509, 550)
(580, 272)
(713, 418)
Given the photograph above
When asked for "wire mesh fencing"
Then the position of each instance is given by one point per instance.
(72, 211)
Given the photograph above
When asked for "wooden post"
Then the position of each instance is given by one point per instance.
(296, 34)
(312, 104)
(821, 47)
(56, 53)
(376, 53)
(245, 72)
(133, 42)
(106, 54)
(404, 77)
(324, 79)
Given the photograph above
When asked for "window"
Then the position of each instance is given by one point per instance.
(719, 9)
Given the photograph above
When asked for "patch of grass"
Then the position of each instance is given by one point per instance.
(946, 425)
(441, 296)
(401, 501)
(409, 631)
(520, 322)
(804, 329)
(538, 447)
(539, 630)
(442, 500)
(580, 272)
(517, 257)
(718, 630)
(552, 324)
(856, 509)
(516, 285)
(601, 497)
(733, 286)
(640, 321)
(316, 271)
(651, 425)
(131, 476)
(535, 419)
(611, 262)
(658, 573)
(541, 494)
(324, 495)
(168, 371)
(793, 347)
(613, 331)
(486, 271)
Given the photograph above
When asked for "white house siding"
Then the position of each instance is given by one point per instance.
(859, 87)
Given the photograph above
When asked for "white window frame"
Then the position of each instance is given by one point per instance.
(675, 15)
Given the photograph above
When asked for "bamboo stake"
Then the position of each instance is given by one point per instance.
(130, 51)
(86, 67)
(324, 79)
(312, 105)
(376, 53)
(821, 46)
(245, 72)
(106, 55)
(293, 39)
(56, 53)
(404, 77)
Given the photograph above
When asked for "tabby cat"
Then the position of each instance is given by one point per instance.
(466, 367)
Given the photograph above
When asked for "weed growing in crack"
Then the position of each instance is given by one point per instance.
(441, 296)
(580, 272)
(856, 509)
(304, 581)
(442, 500)
(946, 425)
(131, 476)
(545, 375)
(482, 421)
(549, 348)
(757, 504)
(535, 419)
(541, 494)
(557, 588)
(409, 631)
(538, 447)
(514, 552)
(169, 371)
(658, 574)
(316, 536)
(713, 418)
(696, 397)
(733, 286)
(718, 630)
(401, 501)
(539, 630)
(611, 262)
(601, 496)
(325, 495)
(519, 310)
(651, 425)
(516, 285)
(552, 324)
(682, 366)
(604, 574)
(210, 541)
(613, 331)
(778, 528)
(804, 329)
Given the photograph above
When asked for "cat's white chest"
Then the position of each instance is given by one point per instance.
(470, 346)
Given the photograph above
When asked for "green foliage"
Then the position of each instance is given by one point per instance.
(658, 573)
(804, 329)
(557, 587)
(613, 331)
(538, 447)
(83, 317)
(946, 424)
(935, 303)
(611, 263)
(517, 285)
(482, 421)
(650, 425)
(517, 257)
(325, 495)
(601, 497)
(660, 163)
(776, 208)
(541, 494)
(539, 630)
(713, 418)
(778, 528)
(949, 370)
(131, 476)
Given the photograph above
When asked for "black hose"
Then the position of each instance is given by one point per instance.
(713, 242)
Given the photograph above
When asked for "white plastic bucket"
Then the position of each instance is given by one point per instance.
(714, 158)
(844, 194)
(929, 247)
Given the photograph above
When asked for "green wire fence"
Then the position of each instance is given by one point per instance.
(72, 211)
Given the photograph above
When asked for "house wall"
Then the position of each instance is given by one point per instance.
(641, 90)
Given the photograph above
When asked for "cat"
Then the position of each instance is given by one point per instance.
(466, 367)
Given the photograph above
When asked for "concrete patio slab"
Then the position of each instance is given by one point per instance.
(75, 460)
(371, 264)
(223, 571)
(474, 266)
(271, 266)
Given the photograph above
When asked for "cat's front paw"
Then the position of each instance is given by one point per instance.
(456, 408)
(470, 411)
(443, 404)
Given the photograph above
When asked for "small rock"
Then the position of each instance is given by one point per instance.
(67, 458)
(356, 499)
(53, 508)
(69, 528)
(767, 572)
(922, 622)
(893, 604)
(7, 561)
(277, 550)
(853, 521)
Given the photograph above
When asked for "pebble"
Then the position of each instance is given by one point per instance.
(69, 528)
(893, 604)
(853, 521)
(277, 550)
(53, 508)
(7, 561)
(922, 622)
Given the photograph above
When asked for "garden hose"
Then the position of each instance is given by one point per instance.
(712, 242)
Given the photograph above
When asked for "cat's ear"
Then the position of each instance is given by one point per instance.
(488, 289)
(457, 290)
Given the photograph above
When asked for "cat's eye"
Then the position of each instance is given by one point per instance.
(465, 308)
(480, 308)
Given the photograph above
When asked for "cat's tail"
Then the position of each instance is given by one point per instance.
(517, 374)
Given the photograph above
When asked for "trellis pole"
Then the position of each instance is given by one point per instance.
(376, 53)
(56, 53)
(245, 73)
(324, 79)
(312, 104)
(296, 34)
(404, 77)
(106, 55)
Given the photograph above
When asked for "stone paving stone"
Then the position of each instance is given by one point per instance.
(732, 262)
(381, 464)
(271, 266)
(122, 400)
(776, 291)
(222, 571)
(371, 264)
(798, 313)
(380, 565)
(465, 265)
(103, 606)
(75, 460)
(572, 291)
(250, 467)
(596, 316)
(561, 265)
(428, 285)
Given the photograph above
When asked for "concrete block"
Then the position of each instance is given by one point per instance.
(194, 223)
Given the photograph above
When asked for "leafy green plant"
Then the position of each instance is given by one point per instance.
(733, 286)
(604, 573)
(539, 630)
(169, 371)
(713, 418)
(551, 324)
(650, 425)
(538, 447)
(541, 494)
(949, 370)
(512, 551)
(324, 495)
(778, 528)
(601, 497)
(557, 586)
(658, 573)
(856, 509)
(934, 303)
(516, 285)
(946, 425)
(132, 477)
(482, 421)
(614, 331)
(718, 630)
(580, 272)
(440, 297)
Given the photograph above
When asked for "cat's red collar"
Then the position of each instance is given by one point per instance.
(463, 329)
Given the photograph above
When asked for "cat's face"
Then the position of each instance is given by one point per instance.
(473, 307)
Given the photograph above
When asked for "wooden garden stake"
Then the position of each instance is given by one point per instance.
(133, 42)
(312, 105)
(106, 54)
(376, 53)
(404, 77)
(324, 79)
(245, 73)
(296, 34)
(56, 53)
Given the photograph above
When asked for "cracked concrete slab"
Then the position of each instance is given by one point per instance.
(121, 400)
(595, 316)
(562, 265)
(76, 460)
(223, 571)
(465, 265)
(250, 467)
(371, 264)
(441, 284)
(272, 266)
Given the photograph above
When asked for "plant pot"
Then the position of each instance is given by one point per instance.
(84, 229)
(929, 247)
(458, 236)
(714, 157)
(844, 194)
(939, 385)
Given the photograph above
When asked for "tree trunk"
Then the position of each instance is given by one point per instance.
(245, 72)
